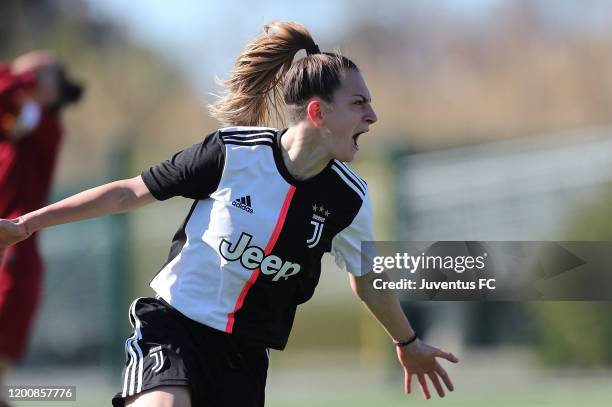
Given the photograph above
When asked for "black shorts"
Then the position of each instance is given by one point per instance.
(169, 349)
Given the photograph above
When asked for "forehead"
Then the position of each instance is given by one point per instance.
(353, 84)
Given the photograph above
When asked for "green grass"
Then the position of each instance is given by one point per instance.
(333, 380)
(580, 394)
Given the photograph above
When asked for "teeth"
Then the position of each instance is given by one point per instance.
(356, 137)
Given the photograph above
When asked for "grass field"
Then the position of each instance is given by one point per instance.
(481, 379)
(304, 380)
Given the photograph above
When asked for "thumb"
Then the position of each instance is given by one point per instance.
(8, 224)
(447, 355)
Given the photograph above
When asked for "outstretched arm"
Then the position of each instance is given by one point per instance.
(417, 358)
(115, 197)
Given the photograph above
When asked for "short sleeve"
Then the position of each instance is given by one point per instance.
(194, 172)
(346, 245)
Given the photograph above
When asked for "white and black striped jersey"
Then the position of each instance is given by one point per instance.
(250, 248)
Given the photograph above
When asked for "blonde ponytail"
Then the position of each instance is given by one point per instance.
(253, 91)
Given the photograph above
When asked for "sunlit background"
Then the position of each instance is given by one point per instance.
(495, 123)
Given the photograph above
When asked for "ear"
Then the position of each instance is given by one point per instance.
(314, 112)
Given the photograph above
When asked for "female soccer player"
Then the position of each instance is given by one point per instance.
(34, 90)
(267, 204)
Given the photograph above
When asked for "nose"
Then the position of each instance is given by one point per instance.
(370, 116)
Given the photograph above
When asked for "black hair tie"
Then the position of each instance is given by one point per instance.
(313, 49)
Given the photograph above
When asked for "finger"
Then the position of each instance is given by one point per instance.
(447, 355)
(407, 381)
(423, 385)
(436, 382)
(442, 373)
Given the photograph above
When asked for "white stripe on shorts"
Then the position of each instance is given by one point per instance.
(136, 360)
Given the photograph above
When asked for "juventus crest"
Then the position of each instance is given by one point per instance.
(158, 354)
(319, 214)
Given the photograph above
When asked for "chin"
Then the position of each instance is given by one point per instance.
(346, 157)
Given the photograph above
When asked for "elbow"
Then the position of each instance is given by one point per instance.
(362, 287)
(125, 198)
(359, 291)
(133, 193)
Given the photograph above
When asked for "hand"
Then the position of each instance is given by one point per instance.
(32, 61)
(419, 359)
(11, 232)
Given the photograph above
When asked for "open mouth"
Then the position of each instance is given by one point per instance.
(356, 138)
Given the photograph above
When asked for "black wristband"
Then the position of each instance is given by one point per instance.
(401, 344)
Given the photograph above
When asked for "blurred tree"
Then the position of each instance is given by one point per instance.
(523, 68)
(579, 333)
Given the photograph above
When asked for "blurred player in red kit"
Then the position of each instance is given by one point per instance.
(34, 89)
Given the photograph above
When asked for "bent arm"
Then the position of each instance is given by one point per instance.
(108, 199)
(417, 358)
(383, 304)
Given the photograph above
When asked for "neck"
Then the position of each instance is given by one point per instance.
(303, 152)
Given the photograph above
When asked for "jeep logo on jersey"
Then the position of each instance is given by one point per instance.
(252, 257)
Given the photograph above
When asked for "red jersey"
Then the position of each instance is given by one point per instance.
(26, 168)
(12, 88)
(26, 165)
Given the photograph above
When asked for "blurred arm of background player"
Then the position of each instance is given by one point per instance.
(34, 89)
(39, 78)
(115, 197)
(30, 86)
(417, 358)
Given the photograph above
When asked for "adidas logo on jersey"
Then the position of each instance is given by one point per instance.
(243, 203)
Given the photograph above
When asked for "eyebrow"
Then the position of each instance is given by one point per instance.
(364, 98)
